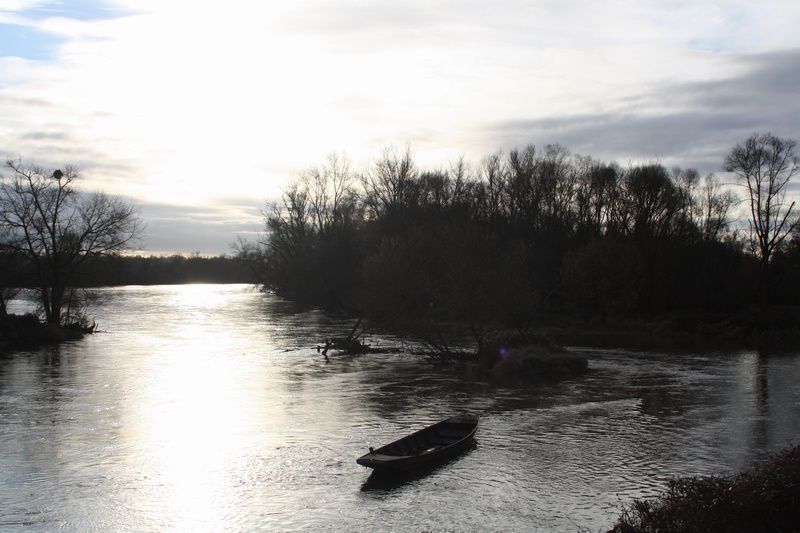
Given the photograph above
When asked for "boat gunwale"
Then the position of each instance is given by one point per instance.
(379, 459)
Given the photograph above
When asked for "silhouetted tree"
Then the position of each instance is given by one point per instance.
(652, 201)
(765, 164)
(390, 183)
(713, 205)
(331, 195)
(56, 228)
(310, 251)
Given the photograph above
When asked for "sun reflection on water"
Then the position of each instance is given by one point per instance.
(194, 415)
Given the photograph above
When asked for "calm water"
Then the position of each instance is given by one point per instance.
(203, 407)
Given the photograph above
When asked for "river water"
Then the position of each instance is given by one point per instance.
(205, 408)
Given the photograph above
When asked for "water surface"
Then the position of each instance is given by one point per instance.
(205, 407)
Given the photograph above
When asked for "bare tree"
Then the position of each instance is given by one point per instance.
(686, 181)
(289, 229)
(56, 228)
(331, 193)
(652, 201)
(495, 175)
(522, 196)
(714, 204)
(389, 183)
(765, 164)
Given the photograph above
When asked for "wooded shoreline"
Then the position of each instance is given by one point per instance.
(541, 238)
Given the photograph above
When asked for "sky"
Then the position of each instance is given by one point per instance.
(201, 112)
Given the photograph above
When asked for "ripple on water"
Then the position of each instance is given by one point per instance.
(206, 407)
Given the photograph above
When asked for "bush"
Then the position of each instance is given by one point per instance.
(765, 498)
(28, 330)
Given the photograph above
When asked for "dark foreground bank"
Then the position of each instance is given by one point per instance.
(764, 498)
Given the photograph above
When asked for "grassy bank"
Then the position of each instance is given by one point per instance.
(764, 498)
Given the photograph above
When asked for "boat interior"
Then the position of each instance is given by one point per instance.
(436, 437)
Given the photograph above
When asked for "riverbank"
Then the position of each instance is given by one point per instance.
(776, 330)
(763, 498)
(25, 331)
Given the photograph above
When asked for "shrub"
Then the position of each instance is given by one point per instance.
(764, 498)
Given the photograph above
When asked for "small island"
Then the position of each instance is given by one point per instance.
(542, 241)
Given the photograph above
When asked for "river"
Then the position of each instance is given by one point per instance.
(206, 408)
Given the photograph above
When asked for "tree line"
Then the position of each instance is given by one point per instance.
(533, 233)
(119, 269)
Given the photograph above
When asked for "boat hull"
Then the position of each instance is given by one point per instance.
(426, 448)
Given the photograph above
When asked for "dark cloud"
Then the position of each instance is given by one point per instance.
(769, 84)
(686, 135)
(709, 118)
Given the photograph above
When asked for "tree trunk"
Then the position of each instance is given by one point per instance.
(763, 286)
(48, 312)
(57, 302)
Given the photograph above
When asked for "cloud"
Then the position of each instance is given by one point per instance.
(56, 145)
(692, 124)
(349, 18)
(208, 229)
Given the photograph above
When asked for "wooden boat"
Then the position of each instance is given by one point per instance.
(425, 448)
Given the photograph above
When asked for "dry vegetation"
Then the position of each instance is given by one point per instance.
(764, 498)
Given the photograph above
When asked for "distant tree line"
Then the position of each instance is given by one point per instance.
(526, 235)
(113, 270)
(165, 270)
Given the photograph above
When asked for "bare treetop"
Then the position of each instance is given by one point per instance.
(765, 164)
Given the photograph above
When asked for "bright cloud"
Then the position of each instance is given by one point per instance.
(189, 103)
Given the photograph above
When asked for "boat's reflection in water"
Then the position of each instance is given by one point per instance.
(387, 480)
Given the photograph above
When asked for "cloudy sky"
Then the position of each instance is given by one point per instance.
(201, 111)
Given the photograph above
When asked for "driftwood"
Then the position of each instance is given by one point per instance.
(353, 344)
(349, 345)
(81, 327)
(343, 345)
